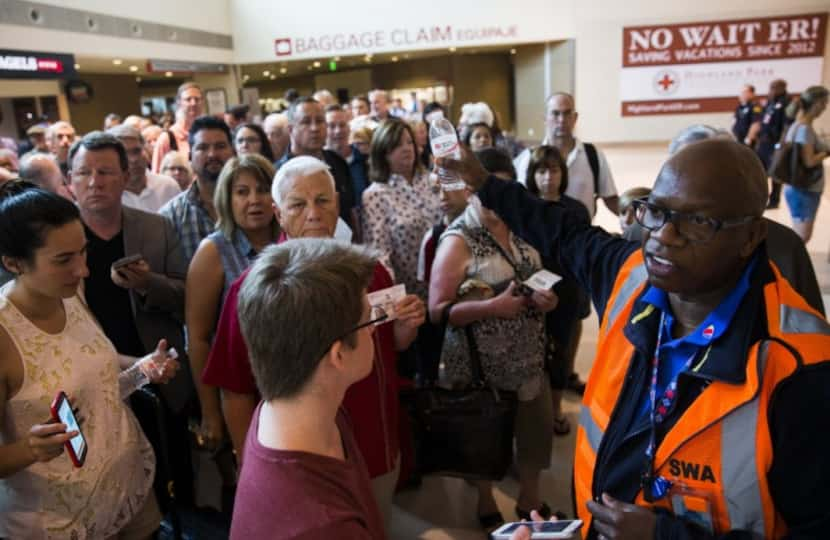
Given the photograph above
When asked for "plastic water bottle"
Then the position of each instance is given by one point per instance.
(444, 142)
(133, 378)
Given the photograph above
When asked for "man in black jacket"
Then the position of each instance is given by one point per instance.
(705, 259)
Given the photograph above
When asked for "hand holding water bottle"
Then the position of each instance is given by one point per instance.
(444, 142)
(160, 366)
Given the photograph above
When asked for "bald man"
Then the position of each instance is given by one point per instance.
(42, 170)
(59, 137)
(706, 410)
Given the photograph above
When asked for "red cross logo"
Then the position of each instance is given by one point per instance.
(666, 82)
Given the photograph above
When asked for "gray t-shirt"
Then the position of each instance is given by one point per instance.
(804, 134)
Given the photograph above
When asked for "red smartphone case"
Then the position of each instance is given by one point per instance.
(77, 461)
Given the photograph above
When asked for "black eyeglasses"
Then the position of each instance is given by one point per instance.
(377, 316)
(693, 227)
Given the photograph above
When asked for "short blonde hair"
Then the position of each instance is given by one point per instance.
(259, 167)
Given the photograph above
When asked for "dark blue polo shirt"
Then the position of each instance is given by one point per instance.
(675, 353)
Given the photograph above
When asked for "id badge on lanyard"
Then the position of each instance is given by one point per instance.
(694, 506)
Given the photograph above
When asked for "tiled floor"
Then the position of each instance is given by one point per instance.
(444, 508)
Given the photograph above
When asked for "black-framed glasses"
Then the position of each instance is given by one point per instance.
(377, 316)
(693, 227)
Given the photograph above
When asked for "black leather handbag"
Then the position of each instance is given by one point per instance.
(466, 433)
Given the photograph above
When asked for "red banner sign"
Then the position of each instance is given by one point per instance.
(698, 67)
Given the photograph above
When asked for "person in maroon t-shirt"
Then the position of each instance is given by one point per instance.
(306, 206)
(304, 476)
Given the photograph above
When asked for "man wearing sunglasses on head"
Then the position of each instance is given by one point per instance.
(702, 415)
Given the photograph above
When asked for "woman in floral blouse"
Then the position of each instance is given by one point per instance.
(401, 203)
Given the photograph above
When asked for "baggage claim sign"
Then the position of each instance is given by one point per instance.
(701, 67)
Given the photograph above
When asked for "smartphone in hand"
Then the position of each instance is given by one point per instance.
(124, 261)
(540, 530)
(62, 412)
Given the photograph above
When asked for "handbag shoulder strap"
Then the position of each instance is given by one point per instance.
(475, 359)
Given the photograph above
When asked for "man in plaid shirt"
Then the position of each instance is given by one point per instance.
(192, 211)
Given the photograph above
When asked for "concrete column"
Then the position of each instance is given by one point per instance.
(539, 71)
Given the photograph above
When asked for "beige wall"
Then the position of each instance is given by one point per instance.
(227, 81)
(484, 77)
(110, 94)
(356, 81)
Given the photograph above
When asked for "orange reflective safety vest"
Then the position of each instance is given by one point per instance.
(721, 445)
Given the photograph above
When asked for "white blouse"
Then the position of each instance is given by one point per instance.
(396, 215)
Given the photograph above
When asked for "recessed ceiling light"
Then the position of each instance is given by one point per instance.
(336, 58)
(452, 49)
(316, 63)
(283, 70)
(273, 77)
(368, 59)
(77, 66)
(168, 73)
(266, 73)
(138, 79)
(117, 61)
(133, 68)
(512, 51)
(394, 58)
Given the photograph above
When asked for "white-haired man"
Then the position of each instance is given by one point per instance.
(306, 205)
(379, 104)
(275, 126)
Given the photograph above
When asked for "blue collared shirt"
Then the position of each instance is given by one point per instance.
(674, 354)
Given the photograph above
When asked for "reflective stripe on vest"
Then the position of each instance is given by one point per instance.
(592, 431)
(798, 321)
(739, 460)
(635, 278)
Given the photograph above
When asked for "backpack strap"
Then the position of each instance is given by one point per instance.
(593, 161)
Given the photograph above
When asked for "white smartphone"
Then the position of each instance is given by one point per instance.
(540, 529)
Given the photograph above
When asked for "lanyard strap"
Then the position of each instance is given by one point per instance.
(655, 488)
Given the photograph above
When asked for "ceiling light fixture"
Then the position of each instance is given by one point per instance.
(117, 61)
(168, 73)
(133, 68)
